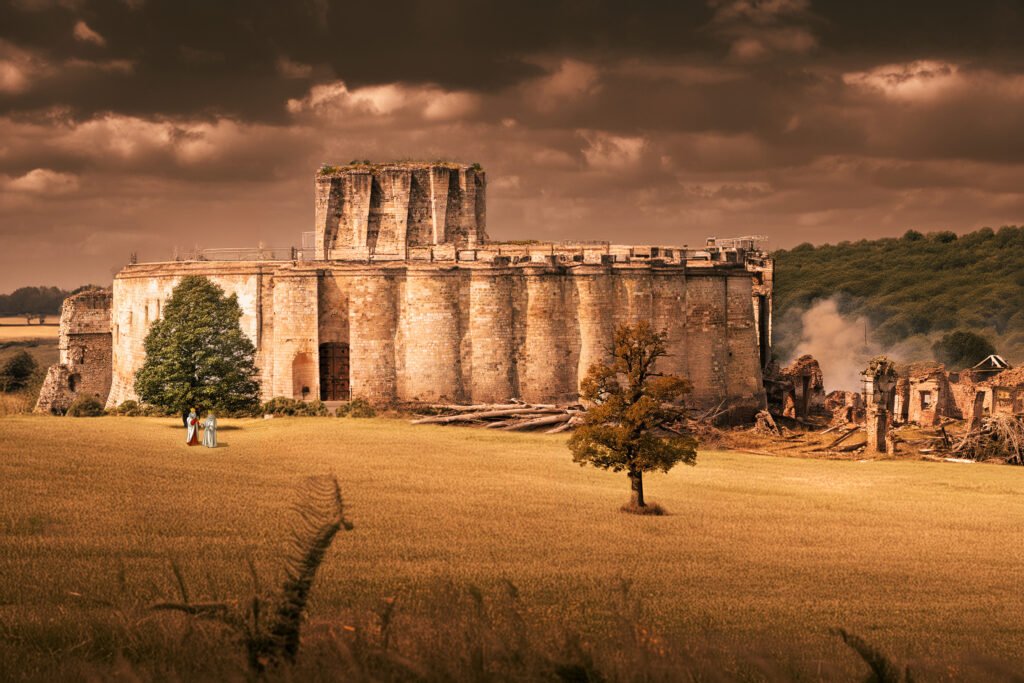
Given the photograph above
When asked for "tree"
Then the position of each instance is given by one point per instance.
(32, 300)
(197, 354)
(962, 349)
(626, 426)
(17, 371)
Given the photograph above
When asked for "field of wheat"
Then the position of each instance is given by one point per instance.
(13, 328)
(485, 552)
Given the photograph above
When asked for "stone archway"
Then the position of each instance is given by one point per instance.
(302, 376)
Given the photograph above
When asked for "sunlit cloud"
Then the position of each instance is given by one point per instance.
(83, 33)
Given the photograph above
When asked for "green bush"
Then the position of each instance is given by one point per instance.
(86, 406)
(17, 371)
(129, 409)
(357, 407)
(241, 412)
(280, 405)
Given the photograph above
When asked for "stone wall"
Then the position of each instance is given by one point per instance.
(141, 291)
(84, 344)
(464, 331)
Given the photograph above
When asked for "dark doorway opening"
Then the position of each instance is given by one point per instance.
(334, 372)
(764, 340)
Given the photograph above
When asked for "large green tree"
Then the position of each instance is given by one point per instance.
(631, 407)
(962, 349)
(197, 354)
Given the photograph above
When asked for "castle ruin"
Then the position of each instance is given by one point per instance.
(402, 297)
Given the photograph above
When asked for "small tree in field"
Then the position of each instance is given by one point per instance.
(623, 429)
(197, 354)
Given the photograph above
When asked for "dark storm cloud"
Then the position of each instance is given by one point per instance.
(148, 124)
(196, 57)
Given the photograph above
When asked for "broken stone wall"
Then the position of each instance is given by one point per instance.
(85, 360)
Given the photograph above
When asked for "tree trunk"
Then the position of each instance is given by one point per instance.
(636, 486)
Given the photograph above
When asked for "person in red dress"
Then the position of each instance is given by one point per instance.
(192, 424)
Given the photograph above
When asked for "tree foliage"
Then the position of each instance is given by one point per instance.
(630, 406)
(26, 300)
(197, 354)
(919, 284)
(961, 349)
(17, 371)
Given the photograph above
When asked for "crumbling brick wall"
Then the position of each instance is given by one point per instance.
(85, 361)
(927, 395)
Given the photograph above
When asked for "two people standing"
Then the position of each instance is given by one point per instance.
(209, 427)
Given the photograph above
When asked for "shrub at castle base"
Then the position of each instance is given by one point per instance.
(197, 355)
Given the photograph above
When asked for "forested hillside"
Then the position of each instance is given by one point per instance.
(914, 288)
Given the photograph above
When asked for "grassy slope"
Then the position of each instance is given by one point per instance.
(922, 559)
(913, 288)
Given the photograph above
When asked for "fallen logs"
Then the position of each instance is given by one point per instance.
(536, 422)
(506, 416)
(480, 415)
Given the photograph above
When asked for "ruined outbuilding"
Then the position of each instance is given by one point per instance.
(399, 295)
(924, 395)
(798, 390)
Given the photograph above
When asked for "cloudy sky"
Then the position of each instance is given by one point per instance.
(141, 125)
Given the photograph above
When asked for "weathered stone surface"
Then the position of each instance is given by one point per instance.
(84, 344)
(384, 210)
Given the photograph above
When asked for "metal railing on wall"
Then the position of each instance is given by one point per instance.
(251, 254)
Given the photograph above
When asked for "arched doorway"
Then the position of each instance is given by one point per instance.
(334, 372)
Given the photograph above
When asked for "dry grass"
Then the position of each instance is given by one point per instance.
(758, 559)
(16, 403)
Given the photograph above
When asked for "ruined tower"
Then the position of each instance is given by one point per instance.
(382, 211)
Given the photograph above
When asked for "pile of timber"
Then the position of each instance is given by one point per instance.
(998, 437)
(506, 416)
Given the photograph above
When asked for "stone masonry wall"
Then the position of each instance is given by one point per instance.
(141, 291)
(462, 331)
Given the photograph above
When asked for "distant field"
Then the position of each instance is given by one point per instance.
(12, 328)
(758, 559)
(43, 350)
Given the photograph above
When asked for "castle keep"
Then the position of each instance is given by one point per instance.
(402, 297)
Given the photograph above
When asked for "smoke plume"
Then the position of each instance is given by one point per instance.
(837, 342)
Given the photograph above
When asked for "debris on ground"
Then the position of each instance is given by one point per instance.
(515, 416)
(1000, 437)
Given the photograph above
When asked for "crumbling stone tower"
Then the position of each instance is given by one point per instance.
(84, 364)
(879, 397)
(382, 211)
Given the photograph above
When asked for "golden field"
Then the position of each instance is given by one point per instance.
(14, 328)
(757, 561)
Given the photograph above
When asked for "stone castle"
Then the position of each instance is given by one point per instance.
(402, 297)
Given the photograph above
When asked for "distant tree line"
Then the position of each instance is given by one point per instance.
(26, 300)
(920, 284)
